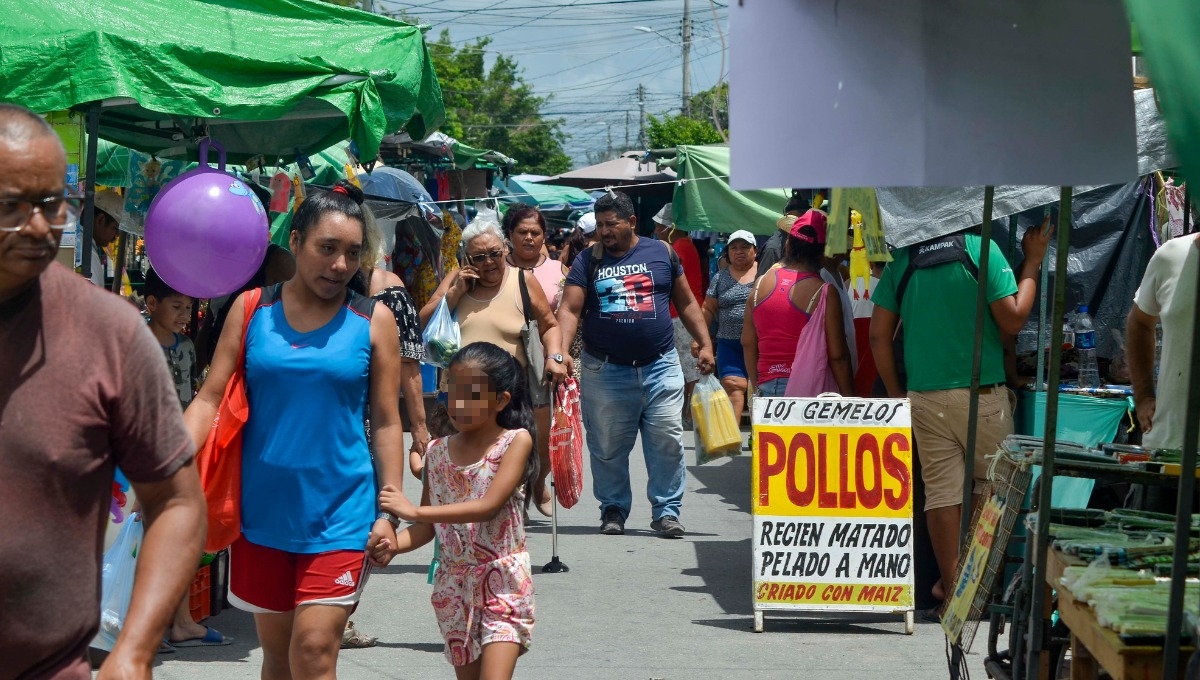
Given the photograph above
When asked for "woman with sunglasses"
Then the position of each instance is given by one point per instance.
(486, 295)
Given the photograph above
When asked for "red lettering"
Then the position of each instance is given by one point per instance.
(788, 592)
(867, 593)
(825, 499)
(896, 590)
(773, 592)
(762, 590)
(846, 497)
(868, 449)
(897, 470)
(800, 498)
(766, 468)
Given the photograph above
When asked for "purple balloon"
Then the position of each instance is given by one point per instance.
(206, 233)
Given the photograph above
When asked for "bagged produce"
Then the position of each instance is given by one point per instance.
(116, 582)
(717, 432)
(442, 338)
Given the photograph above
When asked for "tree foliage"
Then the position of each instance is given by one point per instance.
(495, 108)
(672, 131)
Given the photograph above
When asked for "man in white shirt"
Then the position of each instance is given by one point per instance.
(110, 212)
(1167, 294)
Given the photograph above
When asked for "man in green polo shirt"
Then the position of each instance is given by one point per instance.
(935, 298)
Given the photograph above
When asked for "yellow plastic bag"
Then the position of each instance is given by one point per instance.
(717, 432)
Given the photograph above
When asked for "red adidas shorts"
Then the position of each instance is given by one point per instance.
(268, 581)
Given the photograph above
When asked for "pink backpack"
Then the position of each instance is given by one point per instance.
(810, 369)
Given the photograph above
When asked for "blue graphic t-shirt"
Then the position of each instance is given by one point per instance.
(628, 310)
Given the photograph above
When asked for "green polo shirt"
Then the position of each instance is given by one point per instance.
(938, 312)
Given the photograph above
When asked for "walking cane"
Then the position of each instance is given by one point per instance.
(555, 566)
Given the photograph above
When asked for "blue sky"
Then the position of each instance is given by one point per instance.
(589, 55)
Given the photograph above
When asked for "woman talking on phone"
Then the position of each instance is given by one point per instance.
(486, 294)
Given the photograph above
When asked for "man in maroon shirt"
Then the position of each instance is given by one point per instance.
(689, 257)
(83, 389)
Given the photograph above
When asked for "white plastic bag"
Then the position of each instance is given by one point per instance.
(120, 564)
(442, 338)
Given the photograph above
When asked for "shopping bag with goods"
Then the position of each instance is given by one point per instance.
(566, 444)
(441, 337)
(116, 582)
(712, 413)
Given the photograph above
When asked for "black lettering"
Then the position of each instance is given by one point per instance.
(843, 567)
(790, 532)
(768, 558)
(904, 537)
(814, 535)
(778, 538)
(856, 413)
(765, 538)
(786, 558)
(877, 540)
(853, 539)
(810, 410)
(838, 535)
(826, 409)
(841, 410)
(867, 564)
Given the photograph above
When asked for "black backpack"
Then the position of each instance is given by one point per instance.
(596, 255)
(934, 253)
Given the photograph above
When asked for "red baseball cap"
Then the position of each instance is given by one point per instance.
(810, 227)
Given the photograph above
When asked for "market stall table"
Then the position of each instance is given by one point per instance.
(1095, 647)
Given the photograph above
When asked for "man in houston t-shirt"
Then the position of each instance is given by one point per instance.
(632, 380)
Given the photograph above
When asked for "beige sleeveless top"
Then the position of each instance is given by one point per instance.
(498, 320)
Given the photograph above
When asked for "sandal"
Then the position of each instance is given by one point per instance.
(353, 638)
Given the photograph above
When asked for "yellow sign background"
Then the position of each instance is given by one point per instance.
(886, 471)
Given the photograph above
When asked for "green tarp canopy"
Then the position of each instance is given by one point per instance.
(544, 196)
(704, 202)
(468, 157)
(1167, 33)
(171, 71)
(112, 165)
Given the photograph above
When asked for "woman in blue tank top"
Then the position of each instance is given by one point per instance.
(317, 354)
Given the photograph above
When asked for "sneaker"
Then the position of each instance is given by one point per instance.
(668, 526)
(612, 523)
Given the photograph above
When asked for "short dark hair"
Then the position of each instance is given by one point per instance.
(797, 204)
(157, 288)
(615, 201)
(519, 213)
(19, 124)
(344, 198)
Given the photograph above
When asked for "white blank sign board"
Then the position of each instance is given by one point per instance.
(851, 93)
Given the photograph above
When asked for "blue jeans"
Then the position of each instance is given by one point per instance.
(620, 401)
(773, 388)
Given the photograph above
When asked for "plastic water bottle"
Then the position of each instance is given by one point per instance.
(1085, 343)
(1068, 341)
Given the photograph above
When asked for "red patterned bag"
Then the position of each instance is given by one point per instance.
(566, 444)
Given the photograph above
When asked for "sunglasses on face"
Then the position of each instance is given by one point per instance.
(484, 257)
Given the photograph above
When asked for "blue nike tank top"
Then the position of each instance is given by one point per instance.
(308, 483)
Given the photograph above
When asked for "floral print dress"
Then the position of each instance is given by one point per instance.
(483, 588)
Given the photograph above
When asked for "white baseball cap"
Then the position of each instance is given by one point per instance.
(743, 235)
(588, 223)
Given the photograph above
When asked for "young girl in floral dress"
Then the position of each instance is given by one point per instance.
(475, 499)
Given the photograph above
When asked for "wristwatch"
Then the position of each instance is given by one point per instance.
(556, 357)
(392, 519)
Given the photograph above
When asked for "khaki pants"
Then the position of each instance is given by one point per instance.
(939, 422)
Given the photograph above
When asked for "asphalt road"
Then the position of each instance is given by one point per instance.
(633, 607)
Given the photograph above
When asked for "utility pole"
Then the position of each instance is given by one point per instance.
(687, 58)
(366, 6)
(626, 129)
(608, 127)
(641, 95)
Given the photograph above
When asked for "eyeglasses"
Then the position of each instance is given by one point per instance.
(59, 211)
(484, 257)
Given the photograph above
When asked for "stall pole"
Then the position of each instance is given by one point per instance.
(92, 124)
(1038, 616)
(1183, 506)
(981, 309)
(1043, 296)
(1012, 239)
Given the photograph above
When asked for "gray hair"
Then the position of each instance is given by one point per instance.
(483, 227)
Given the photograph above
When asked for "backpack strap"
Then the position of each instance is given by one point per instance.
(360, 304)
(933, 253)
(596, 254)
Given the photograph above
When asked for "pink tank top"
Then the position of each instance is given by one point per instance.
(778, 323)
(550, 275)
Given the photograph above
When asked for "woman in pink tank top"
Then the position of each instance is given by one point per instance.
(773, 319)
